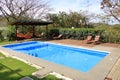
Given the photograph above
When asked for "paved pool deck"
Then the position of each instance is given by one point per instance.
(99, 72)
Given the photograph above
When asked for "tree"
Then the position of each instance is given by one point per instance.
(112, 8)
(71, 19)
(23, 9)
(53, 18)
(103, 19)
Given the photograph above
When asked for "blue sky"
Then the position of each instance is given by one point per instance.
(75, 5)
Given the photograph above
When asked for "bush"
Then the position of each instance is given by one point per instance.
(1, 36)
(111, 36)
(78, 33)
(9, 33)
(50, 77)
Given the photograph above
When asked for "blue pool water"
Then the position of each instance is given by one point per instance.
(76, 58)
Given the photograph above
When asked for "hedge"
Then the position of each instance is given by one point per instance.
(77, 33)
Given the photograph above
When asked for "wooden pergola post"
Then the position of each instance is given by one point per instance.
(46, 31)
(16, 27)
(33, 28)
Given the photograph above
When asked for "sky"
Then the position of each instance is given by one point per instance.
(92, 6)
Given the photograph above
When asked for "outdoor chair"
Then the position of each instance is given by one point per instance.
(96, 40)
(58, 37)
(89, 38)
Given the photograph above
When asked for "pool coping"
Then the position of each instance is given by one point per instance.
(99, 72)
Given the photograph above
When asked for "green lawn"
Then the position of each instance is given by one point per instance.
(13, 69)
(6, 42)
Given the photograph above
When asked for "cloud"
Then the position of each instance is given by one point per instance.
(76, 5)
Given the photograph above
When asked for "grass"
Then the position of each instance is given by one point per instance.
(6, 42)
(13, 69)
(50, 77)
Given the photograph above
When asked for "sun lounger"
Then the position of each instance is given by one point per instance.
(58, 37)
(89, 38)
(96, 40)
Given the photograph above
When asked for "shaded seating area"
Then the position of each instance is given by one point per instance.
(28, 35)
(31, 24)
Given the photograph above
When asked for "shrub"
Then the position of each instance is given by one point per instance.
(77, 33)
(1, 36)
(111, 36)
(9, 33)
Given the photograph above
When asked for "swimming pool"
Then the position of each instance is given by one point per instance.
(77, 58)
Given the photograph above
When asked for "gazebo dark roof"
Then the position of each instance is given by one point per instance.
(31, 22)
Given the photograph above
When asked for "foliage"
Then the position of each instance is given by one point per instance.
(112, 8)
(6, 42)
(77, 33)
(24, 9)
(9, 33)
(103, 18)
(111, 34)
(116, 27)
(50, 77)
(1, 36)
(12, 69)
(68, 20)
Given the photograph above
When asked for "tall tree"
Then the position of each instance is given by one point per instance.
(19, 9)
(112, 8)
(71, 19)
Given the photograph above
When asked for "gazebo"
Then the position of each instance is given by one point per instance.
(32, 23)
